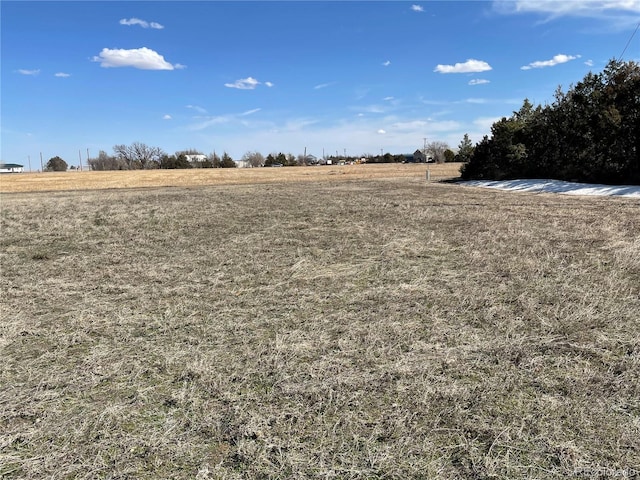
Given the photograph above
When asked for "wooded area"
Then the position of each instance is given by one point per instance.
(589, 134)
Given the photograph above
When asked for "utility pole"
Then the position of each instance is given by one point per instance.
(426, 160)
(80, 157)
(41, 166)
(29, 157)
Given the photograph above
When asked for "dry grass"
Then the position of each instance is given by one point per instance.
(357, 329)
(87, 180)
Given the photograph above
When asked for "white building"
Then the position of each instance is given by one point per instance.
(196, 158)
(11, 168)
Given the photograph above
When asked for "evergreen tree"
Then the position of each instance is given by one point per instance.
(56, 164)
(281, 159)
(270, 160)
(227, 161)
(449, 155)
(465, 149)
(214, 159)
(590, 133)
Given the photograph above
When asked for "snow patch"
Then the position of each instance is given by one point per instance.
(558, 186)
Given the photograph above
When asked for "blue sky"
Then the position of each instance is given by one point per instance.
(284, 76)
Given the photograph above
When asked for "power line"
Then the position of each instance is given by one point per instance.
(629, 42)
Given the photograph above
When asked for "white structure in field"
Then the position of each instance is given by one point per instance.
(11, 168)
(196, 158)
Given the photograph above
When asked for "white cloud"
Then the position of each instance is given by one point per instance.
(556, 8)
(426, 126)
(387, 63)
(388, 99)
(248, 83)
(589, 63)
(232, 119)
(166, 117)
(298, 124)
(371, 108)
(381, 132)
(323, 85)
(23, 71)
(618, 14)
(470, 66)
(62, 75)
(197, 108)
(556, 60)
(478, 81)
(269, 84)
(487, 101)
(207, 122)
(426, 101)
(417, 8)
(142, 23)
(142, 58)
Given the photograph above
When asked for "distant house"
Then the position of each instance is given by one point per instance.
(196, 158)
(242, 164)
(415, 157)
(11, 168)
(311, 160)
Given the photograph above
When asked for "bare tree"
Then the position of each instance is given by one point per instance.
(106, 162)
(139, 155)
(436, 150)
(253, 159)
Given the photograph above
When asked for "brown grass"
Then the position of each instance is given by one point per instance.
(87, 180)
(369, 328)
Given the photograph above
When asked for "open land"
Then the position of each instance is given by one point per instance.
(379, 327)
(92, 180)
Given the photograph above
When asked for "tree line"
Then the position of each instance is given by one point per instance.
(591, 133)
(140, 156)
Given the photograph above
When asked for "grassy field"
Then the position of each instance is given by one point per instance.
(368, 328)
(88, 180)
